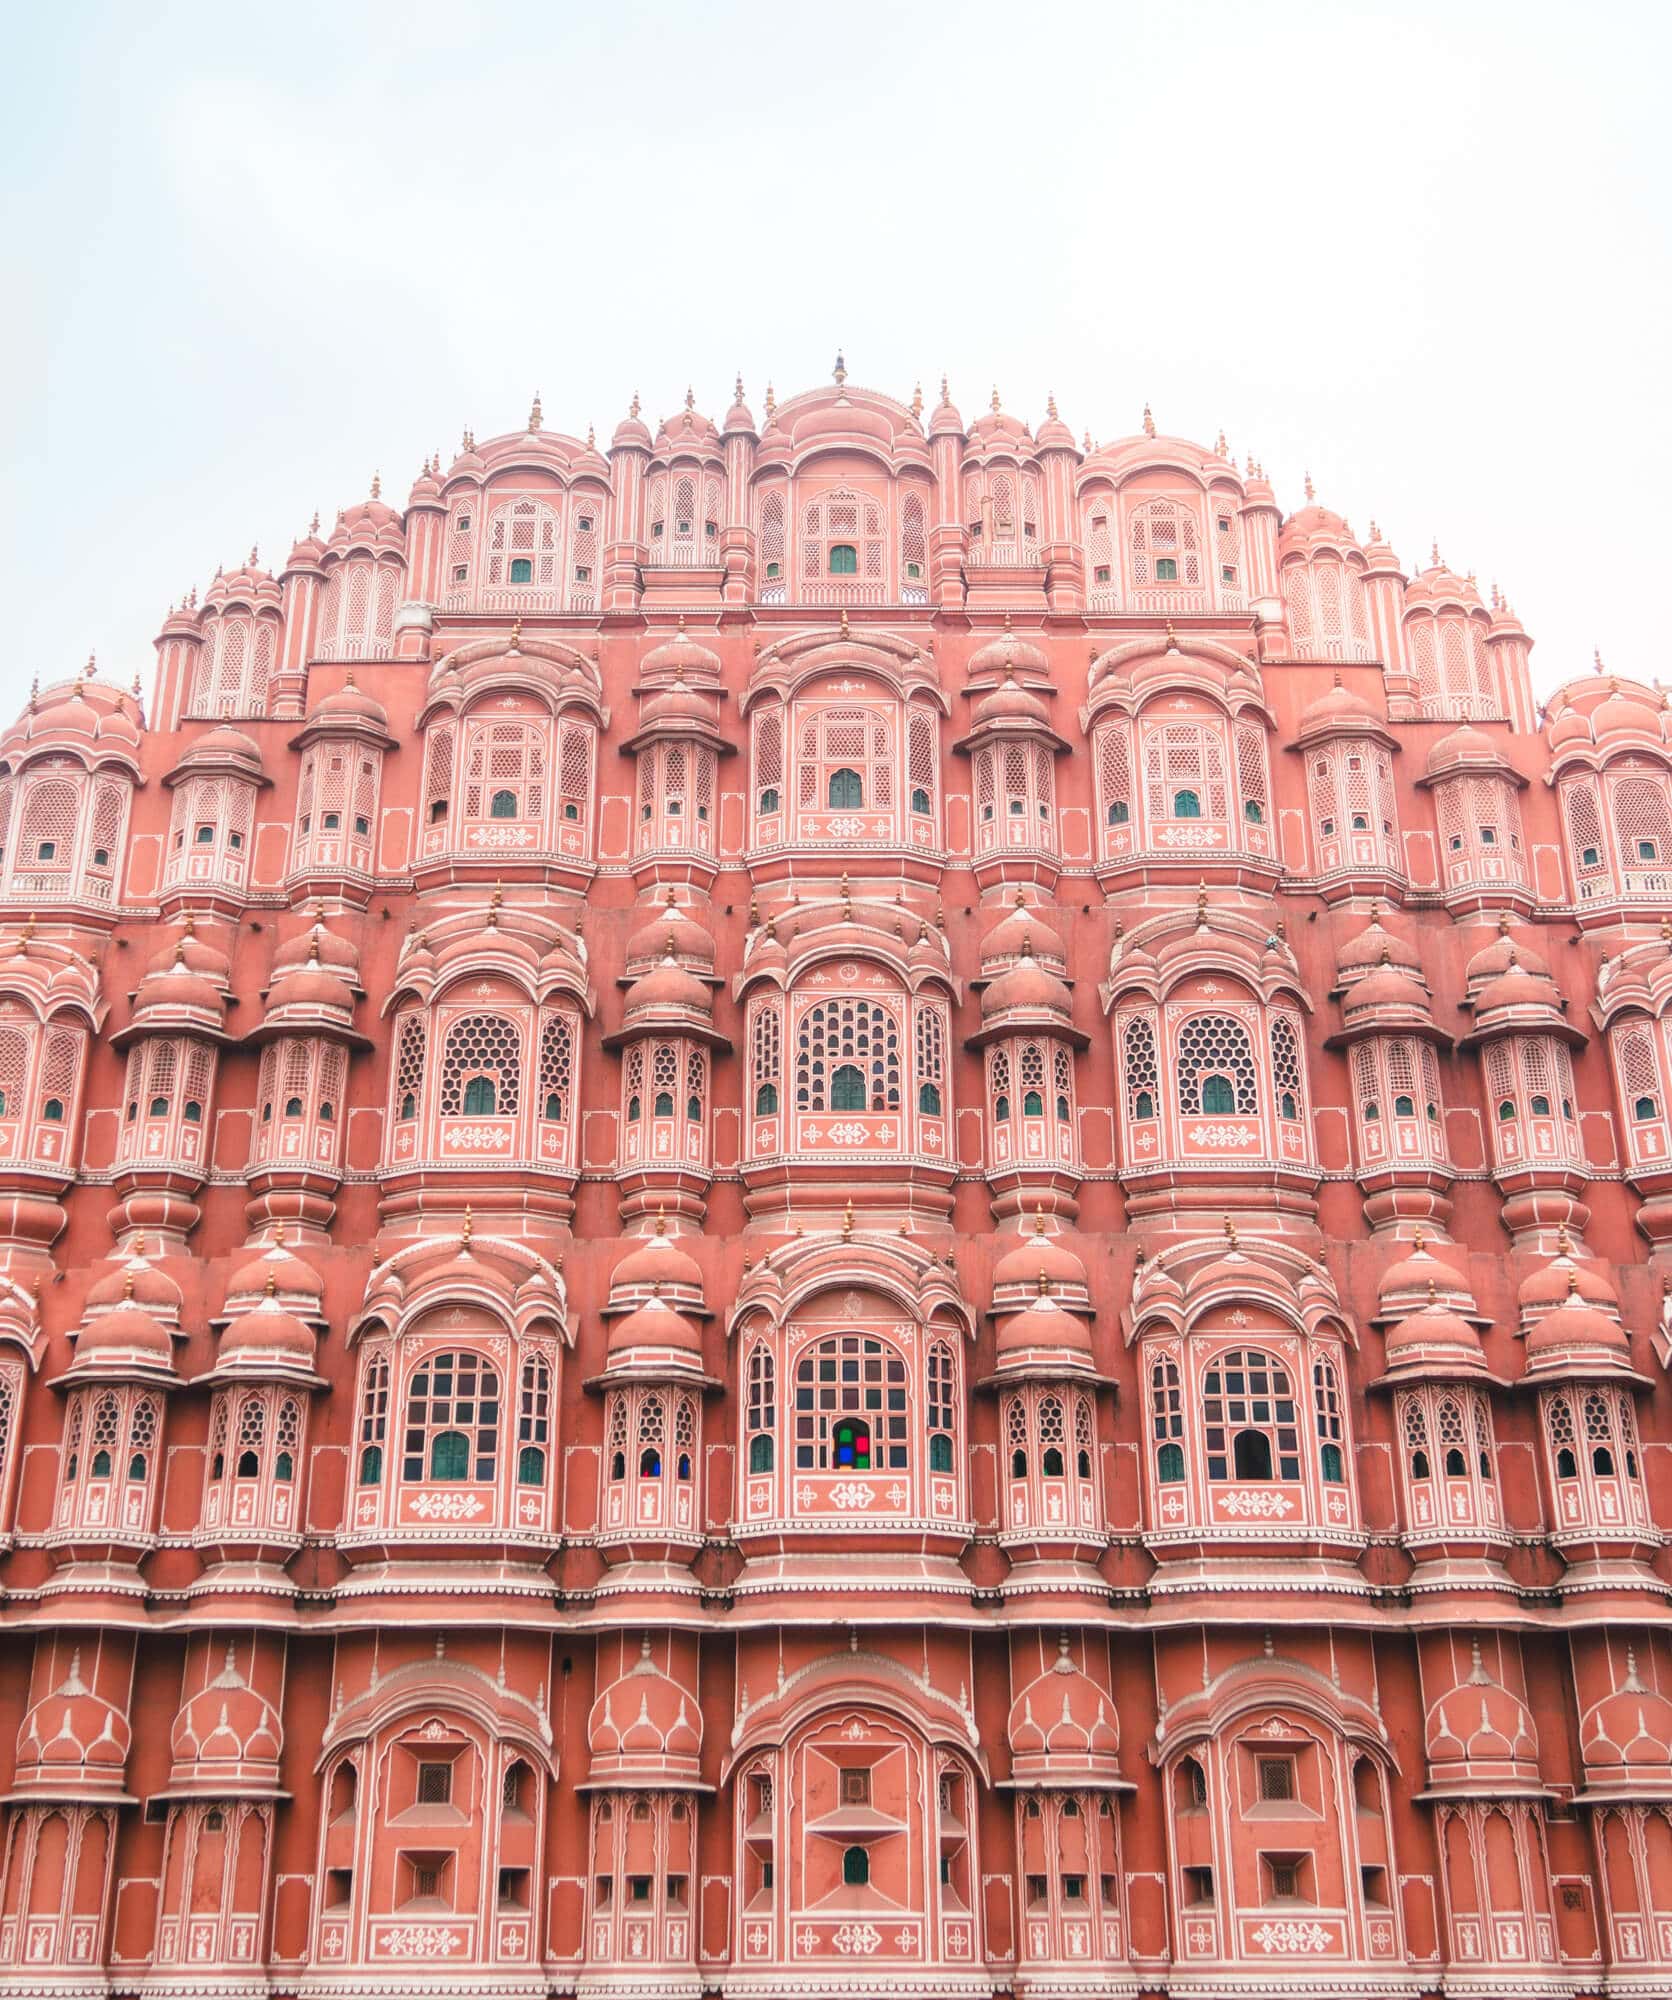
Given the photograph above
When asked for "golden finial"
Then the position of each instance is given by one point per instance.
(839, 374)
(844, 621)
(1149, 422)
(1039, 1220)
(946, 393)
(91, 667)
(1230, 1232)
(136, 688)
(469, 1225)
(1417, 1241)
(737, 387)
(847, 1221)
(313, 949)
(272, 1285)
(128, 1283)
(1201, 903)
(278, 1233)
(1051, 405)
(1596, 659)
(1573, 1283)
(754, 910)
(1563, 1242)
(1220, 447)
(661, 1218)
(1433, 1295)
(1044, 1285)
(917, 402)
(771, 403)
(690, 398)
(535, 418)
(1434, 553)
(494, 902)
(634, 406)
(1172, 638)
(377, 485)
(591, 438)
(1503, 923)
(34, 693)
(997, 405)
(516, 636)
(1307, 482)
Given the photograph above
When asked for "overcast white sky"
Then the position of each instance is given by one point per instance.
(253, 253)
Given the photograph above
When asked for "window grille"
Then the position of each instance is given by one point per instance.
(851, 1407)
(1141, 1068)
(847, 1034)
(1215, 1046)
(452, 1419)
(481, 1046)
(1247, 1392)
(557, 1044)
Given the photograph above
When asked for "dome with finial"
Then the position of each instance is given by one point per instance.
(174, 996)
(96, 722)
(1313, 526)
(1340, 711)
(1626, 1737)
(124, 1343)
(268, 1343)
(994, 431)
(738, 417)
(349, 709)
(680, 658)
(1388, 999)
(370, 524)
(1439, 584)
(1433, 1344)
(632, 433)
(1576, 1342)
(654, 1342)
(687, 433)
(1521, 998)
(273, 1270)
(221, 750)
(1564, 1277)
(1043, 1340)
(1039, 1260)
(673, 931)
(309, 997)
(1418, 1280)
(1505, 953)
(1028, 995)
(1468, 749)
(1606, 713)
(73, 1744)
(247, 585)
(319, 945)
(1480, 1738)
(1063, 1730)
(1008, 656)
(1375, 946)
(657, 1268)
(944, 420)
(644, 1730)
(1021, 935)
(1053, 434)
(667, 997)
(135, 1280)
(226, 1741)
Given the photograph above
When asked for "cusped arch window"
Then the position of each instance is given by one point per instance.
(851, 1406)
(452, 1419)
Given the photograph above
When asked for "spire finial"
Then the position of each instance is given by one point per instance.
(690, 397)
(634, 406)
(1230, 1232)
(1051, 405)
(377, 485)
(771, 404)
(997, 405)
(91, 667)
(737, 387)
(917, 401)
(516, 635)
(847, 1221)
(946, 393)
(844, 621)
(591, 438)
(1149, 422)
(535, 416)
(469, 1225)
(839, 374)
(1311, 493)
(1596, 659)
(1201, 905)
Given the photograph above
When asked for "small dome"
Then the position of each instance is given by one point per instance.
(1463, 746)
(291, 1278)
(267, 1338)
(1010, 703)
(657, 1265)
(1577, 1342)
(1564, 1277)
(672, 932)
(644, 1729)
(1421, 1279)
(655, 1332)
(1339, 710)
(1063, 1728)
(1480, 1738)
(137, 1282)
(124, 1343)
(1006, 656)
(944, 420)
(1043, 1339)
(667, 990)
(1040, 1261)
(1389, 989)
(1375, 946)
(322, 947)
(349, 704)
(73, 1743)
(631, 433)
(1626, 1738)
(1021, 935)
(310, 988)
(1500, 956)
(226, 1740)
(676, 706)
(1434, 1342)
(222, 745)
(681, 656)
(1027, 988)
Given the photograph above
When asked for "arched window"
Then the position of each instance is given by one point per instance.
(766, 1100)
(763, 1408)
(374, 1418)
(481, 1067)
(942, 1409)
(452, 1419)
(843, 1040)
(844, 559)
(851, 1406)
(847, 791)
(856, 1867)
(1215, 1049)
(1169, 1464)
(1326, 1396)
(1187, 804)
(503, 805)
(1249, 1417)
(534, 1422)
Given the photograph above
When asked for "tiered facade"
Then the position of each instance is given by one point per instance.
(848, 1204)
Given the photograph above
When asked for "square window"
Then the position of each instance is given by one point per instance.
(856, 1786)
(435, 1784)
(1227, 573)
(1277, 1778)
(1645, 850)
(1166, 569)
(522, 569)
(460, 572)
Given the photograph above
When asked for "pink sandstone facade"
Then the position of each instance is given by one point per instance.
(843, 1205)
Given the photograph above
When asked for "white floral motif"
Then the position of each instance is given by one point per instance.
(447, 1506)
(421, 1941)
(852, 1493)
(861, 1938)
(1292, 1935)
(1251, 1506)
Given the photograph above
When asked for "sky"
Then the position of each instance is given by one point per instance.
(253, 254)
